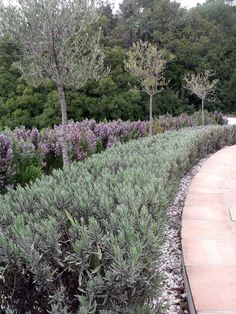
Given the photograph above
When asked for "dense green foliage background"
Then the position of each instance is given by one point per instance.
(204, 37)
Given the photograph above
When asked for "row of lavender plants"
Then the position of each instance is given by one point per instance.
(26, 154)
(77, 242)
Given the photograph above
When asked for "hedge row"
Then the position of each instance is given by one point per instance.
(86, 239)
(169, 122)
(27, 154)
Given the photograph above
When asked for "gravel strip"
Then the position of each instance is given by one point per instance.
(173, 295)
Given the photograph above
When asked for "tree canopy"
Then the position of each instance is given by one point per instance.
(56, 45)
(201, 38)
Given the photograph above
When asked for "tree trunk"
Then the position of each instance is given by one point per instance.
(65, 156)
(150, 116)
(203, 117)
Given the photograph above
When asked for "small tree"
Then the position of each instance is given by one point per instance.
(55, 44)
(147, 63)
(202, 85)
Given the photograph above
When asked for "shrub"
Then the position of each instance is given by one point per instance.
(210, 118)
(169, 122)
(84, 138)
(86, 239)
(6, 155)
(38, 152)
(27, 163)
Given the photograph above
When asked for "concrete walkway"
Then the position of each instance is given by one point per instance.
(209, 235)
(231, 121)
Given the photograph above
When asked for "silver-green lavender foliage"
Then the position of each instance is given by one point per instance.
(86, 239)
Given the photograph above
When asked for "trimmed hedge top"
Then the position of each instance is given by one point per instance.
(86, 239)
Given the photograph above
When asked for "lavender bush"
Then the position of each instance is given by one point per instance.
(83, 137)
(37, 152)
(6, 155)
(169, 123)
(77, 242)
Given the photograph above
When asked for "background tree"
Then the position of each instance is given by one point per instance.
(202, 85)
(233, 86)
(147, 63)
(53, 36)
(201, 38)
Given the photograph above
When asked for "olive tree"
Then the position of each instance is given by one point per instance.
(147, 62)
(202, 85)
(56, 44)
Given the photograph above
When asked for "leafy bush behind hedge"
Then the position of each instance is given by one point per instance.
(36, 152)
(86, 239)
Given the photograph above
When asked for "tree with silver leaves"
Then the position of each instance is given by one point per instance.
(202, 85)
(147, 63)
(55, 43)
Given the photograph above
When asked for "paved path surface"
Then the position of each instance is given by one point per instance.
(231, 121)
(209, 235)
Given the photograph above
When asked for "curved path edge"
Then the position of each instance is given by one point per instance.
(209, 236)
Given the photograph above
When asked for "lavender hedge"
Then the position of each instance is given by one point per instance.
(86, 239)
(26, 154)
(6, 155)
(168, 122)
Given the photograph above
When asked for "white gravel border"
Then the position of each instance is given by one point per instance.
(173, 296)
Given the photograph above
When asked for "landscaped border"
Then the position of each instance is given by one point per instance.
(79, 237)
